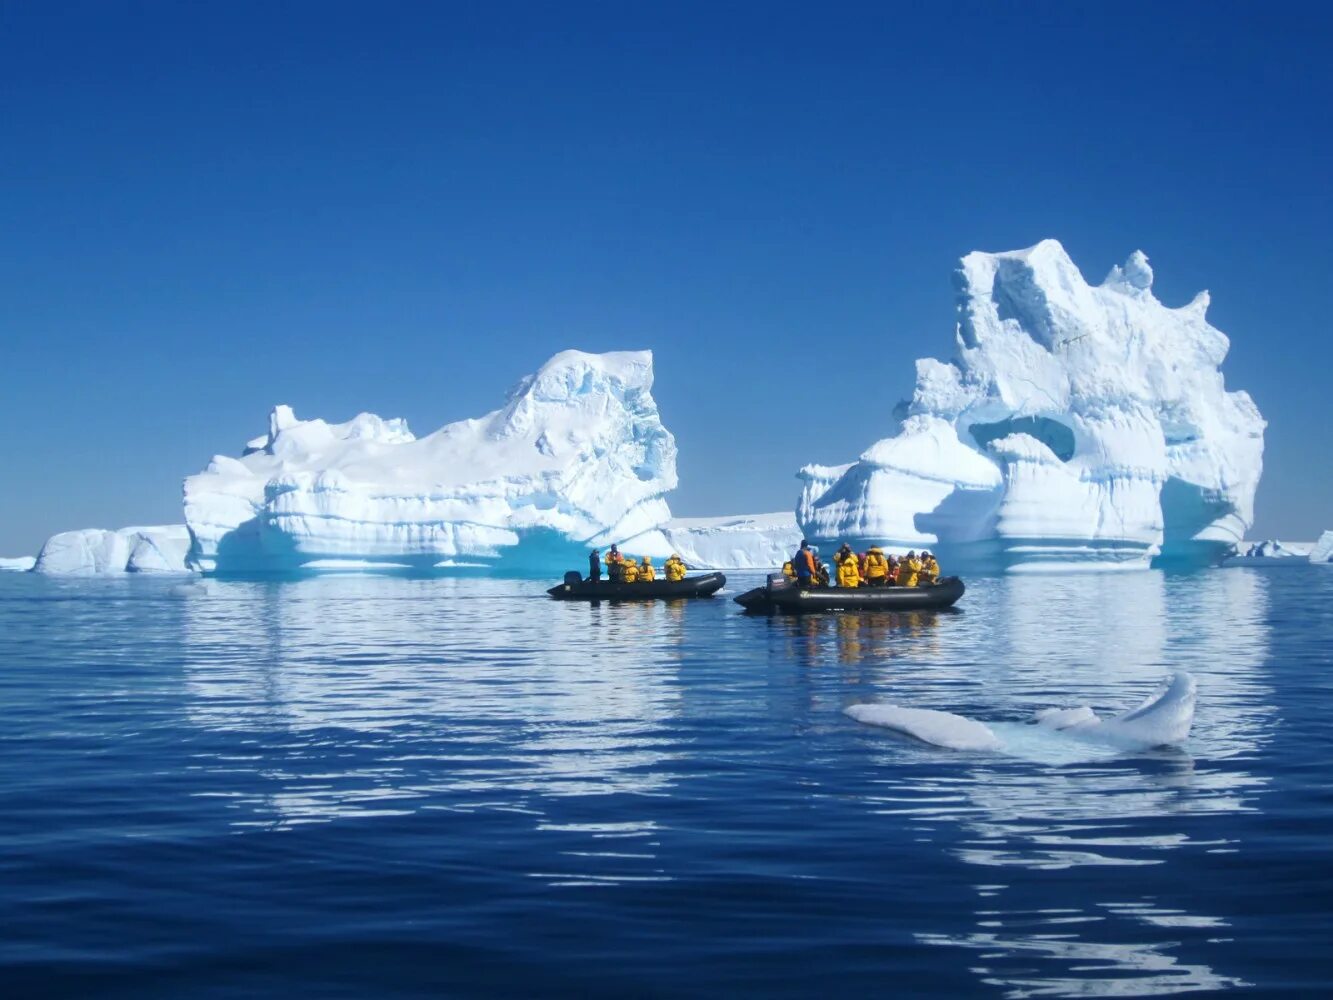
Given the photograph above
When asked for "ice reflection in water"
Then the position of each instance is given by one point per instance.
(467, 694)
(1098, 640)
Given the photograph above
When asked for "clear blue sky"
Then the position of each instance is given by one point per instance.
(403, 207)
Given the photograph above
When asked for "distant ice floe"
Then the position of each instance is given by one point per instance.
(95, 551)
(21, 564)
(1287, 555)
(1055, 734)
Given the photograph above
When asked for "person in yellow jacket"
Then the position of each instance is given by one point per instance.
(877, 567)
(788, 570)
(647, 574)
(675, 568)
(849, 572)
(629, 570)
(909, 571)
(930, 569)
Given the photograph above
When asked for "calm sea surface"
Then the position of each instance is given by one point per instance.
(359, 786)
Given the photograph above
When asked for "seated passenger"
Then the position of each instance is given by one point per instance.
(894, 566)
(647, 574)
(675, 568)
(629, 570)
(910, 570)
(876, 567)
(788, 570)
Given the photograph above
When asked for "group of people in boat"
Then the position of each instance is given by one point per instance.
(627, 569)
(871, 568)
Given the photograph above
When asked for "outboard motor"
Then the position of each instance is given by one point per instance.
(777, 581)
(573, 577)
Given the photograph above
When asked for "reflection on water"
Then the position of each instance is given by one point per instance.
(675, 782)
(510, 694)
(1095, 640)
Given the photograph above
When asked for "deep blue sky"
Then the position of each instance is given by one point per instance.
(210, 208)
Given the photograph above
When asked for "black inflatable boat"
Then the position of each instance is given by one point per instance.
(575, 588)
(781, 594)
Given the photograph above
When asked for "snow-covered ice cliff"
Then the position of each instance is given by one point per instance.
(576, 457)
(1076, 426)
(748, 541)
(159, 549)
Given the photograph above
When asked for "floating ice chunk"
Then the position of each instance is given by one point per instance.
(1163, 719)
(942, 729)
(1060, 735)
(1065, 718)
(21, 564)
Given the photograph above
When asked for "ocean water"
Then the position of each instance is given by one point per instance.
(373, 786)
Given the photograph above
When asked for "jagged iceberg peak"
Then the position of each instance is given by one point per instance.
(1076, 424)
(576, 455)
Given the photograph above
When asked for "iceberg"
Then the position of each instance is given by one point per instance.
(576, 457)
(1322, 553)
(745, 541)
(1077, 426)
(19, 564)
(95, 551)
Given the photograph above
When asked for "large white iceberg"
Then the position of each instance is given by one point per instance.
(95, 551)
(1076, 426)
(576, 457)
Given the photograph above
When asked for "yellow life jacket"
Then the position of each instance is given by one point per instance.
(675, 569)
(877, 567)
(788, 570)
(646, 572)
(908, 572)
(630, 572)
(849, 574)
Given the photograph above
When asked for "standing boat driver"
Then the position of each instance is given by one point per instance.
(594, 566)
(615, 565)
(647, 574)
(910, 570)
(804, 563)
(876, 570)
